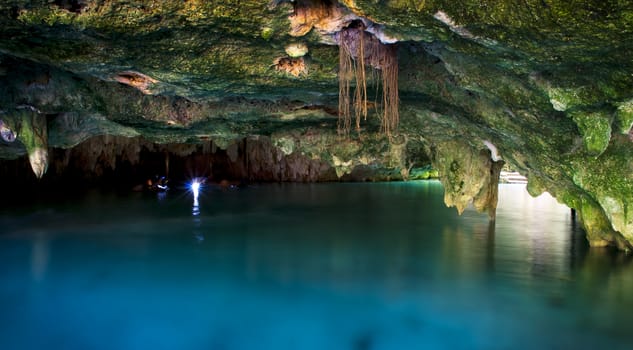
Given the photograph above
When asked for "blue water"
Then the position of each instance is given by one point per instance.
(321, 266)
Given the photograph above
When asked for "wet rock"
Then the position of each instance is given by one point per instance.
(595, 127)
(32, 131)
(6, 133)
(469, 176)
(295, 50)
(552, 95)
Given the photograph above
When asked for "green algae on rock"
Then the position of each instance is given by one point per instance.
(595, 127)
(469, 175)
(32, 131)
(547, 83)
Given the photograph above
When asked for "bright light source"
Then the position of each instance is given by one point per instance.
(195, 188)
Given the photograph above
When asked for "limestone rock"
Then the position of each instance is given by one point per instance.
(469, 175)
(553, 94)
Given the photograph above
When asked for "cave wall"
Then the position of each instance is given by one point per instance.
(125, 162)
(546, 84)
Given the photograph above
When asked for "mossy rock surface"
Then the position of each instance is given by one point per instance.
(547, 83)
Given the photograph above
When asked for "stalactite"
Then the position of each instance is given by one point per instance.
(166, 163)
(30, 127)
(207, 147)
(468, 175)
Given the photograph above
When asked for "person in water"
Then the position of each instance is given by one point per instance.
(153, 184)
(157, 184)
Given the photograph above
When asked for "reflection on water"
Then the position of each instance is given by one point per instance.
(337, 266)
(195, 212)
(39, 256)
(537, 237)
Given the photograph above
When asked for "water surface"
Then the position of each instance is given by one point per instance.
(321, 266)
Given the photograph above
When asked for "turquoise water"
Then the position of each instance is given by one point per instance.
(321, 266)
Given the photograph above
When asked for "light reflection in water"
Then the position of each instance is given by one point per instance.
(195, 212)
(377, 266)
(531, 238)
(161, 195)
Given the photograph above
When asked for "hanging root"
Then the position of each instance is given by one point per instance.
(390, 116)
(346, 71)
(359, 51)
(360, 95)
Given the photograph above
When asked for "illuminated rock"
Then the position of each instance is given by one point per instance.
(547, 85)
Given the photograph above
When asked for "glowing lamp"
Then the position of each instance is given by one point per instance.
(195, 188)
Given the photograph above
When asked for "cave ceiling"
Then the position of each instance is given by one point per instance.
(544, 85)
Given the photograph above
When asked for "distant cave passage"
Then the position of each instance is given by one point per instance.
(114, 161)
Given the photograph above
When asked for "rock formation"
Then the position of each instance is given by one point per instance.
(547, 83)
